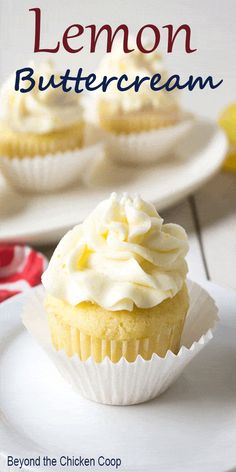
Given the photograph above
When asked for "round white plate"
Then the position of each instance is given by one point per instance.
(43, 219)
(190, 427)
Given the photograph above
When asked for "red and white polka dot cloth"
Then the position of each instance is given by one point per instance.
(21, 268)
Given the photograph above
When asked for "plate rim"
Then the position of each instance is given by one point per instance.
(54, 232)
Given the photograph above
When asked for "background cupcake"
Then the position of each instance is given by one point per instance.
(116, 284)
(39, 122)
(129, 111)
(134, 121)
(41, 134)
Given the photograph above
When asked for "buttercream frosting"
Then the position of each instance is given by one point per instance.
(120, 256)
(39, 111)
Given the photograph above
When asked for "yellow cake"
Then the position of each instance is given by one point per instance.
(37, 123)
(227, 121)
(16, 144)
(133, 122)
(89, 330)
(115, 285)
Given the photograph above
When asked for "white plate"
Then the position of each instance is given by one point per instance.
(190, 427)
(44, 219)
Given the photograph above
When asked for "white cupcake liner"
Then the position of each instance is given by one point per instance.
(51, 172)
(126, 383)
(140, 148)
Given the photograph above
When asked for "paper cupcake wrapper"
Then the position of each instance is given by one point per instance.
(140, 148)
(51, 172)
(126, 383)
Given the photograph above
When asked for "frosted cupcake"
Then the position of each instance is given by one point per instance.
(40, 132)
(141, 126)
(39, 122)
(115, 285)
(130, 111)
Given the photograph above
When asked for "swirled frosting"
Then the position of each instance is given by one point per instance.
(135, 64)
(120, 256)
(39, 111)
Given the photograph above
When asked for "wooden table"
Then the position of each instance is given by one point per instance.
(209, 217)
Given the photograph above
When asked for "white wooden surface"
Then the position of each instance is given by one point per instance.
(209, 217)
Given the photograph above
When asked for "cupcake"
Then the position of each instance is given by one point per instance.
(130, 111)
(39, 122)
(116, 284)
(227, 121)
(41, 134)
(136, 121)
